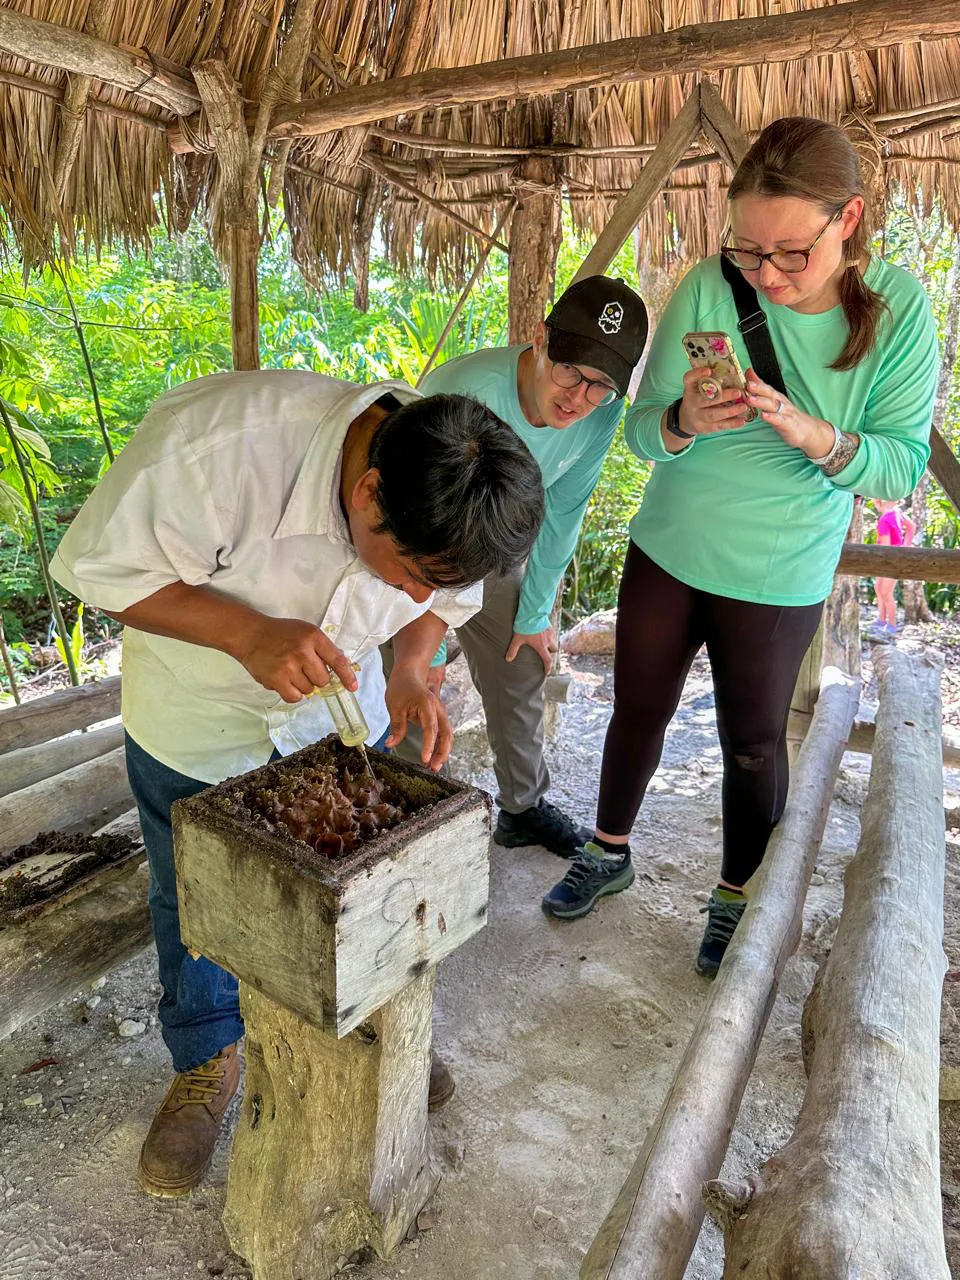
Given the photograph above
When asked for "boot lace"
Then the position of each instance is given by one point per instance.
(584, 866)
(201, 1085)
(722, 919)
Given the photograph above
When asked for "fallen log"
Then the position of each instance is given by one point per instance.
(651, 1230)
(22, 768)
(856, 1190)
(58, 713)
(79, 799)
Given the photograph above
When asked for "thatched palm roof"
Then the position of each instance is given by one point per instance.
(471, 157)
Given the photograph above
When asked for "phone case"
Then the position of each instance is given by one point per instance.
(715, 350)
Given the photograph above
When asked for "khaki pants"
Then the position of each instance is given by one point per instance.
(512, 694)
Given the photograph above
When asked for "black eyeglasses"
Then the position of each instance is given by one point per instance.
(788, 260)
(568, 375)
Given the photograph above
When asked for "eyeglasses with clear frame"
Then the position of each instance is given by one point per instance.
(790, 261)
(568, 375)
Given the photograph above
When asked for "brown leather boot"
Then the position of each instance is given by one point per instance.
(184, 1131)
(442, 1086)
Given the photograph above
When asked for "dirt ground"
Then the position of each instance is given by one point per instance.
(563, 1039)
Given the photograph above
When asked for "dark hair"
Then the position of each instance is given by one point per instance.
(812, 160)
(459, 491)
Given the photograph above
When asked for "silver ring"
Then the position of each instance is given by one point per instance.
(779, 409)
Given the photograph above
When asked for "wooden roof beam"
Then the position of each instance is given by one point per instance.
(862, 24)
(49, 45)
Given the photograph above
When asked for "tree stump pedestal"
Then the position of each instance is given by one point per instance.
(336, 961)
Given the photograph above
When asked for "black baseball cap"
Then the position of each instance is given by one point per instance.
(599, 322)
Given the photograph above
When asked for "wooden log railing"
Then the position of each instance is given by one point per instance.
(856, 1190)
(650, 1232)
(58, 714)
(920, 564)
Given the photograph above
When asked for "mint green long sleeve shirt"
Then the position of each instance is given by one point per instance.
(570, 462)
(740, 513)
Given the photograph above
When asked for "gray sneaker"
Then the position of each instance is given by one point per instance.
(591, 876)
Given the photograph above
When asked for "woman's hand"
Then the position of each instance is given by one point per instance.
(796, 428)
(702, 415)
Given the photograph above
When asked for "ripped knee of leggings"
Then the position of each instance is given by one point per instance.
(751, 761)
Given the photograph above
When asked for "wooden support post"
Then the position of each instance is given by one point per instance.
(856, 1190)
(719, 125)
(73, 109)
(805, 694)
(652, 1228)
(655, 172)
(535, 236)
(238, 203)
(945, 467)
(332, 1148)
(841, 615)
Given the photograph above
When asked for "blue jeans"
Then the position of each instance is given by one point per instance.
(200, 1006)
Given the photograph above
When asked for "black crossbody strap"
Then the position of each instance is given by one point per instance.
(753, 326)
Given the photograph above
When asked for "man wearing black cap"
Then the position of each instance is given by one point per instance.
(563, 395)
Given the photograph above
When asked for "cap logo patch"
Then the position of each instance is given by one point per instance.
(611, 317)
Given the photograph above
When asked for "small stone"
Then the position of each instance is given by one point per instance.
(542, 1216)
(100, 983)
(34, 1100)
(125, 1061)
(455, 1153)
(130, 1027)
(427, 1218)
(817, 879)
(94, 1001)
(624, 1068)
(412, 1231)
(619, 1044)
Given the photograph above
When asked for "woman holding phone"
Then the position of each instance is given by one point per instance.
(741, 525)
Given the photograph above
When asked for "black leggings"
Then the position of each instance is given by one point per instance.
(755, 654)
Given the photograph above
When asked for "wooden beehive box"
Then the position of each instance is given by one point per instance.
(332, 940)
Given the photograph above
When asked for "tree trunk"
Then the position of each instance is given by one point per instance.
(856, 1190)
(332, 1149)
(535, 236)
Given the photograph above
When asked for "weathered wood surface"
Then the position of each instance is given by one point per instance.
(652, 1227)
(22, 768)
(720, 125)
(51, 958)
(922, 564)
(944, 465)
(333, 941)
(856, 1190)
(57, 714)
(682, 131)
(51, 45)
(714, 46)
(79, 799)
(536, 234)
(332, 1148)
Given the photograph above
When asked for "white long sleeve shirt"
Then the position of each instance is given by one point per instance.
(233, 482)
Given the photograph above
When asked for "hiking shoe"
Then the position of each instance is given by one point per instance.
(184, 1131)
(591, 877)
(442, 1086)
(542, 824)
(723, 916)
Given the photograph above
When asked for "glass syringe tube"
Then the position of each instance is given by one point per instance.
(348, 719)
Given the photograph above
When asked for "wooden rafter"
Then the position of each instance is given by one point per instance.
(719, 125)
(73, 108)
(862, 24)
(376, 165)
(673, 145)
(49, 45)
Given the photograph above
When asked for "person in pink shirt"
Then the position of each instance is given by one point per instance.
(894, 529)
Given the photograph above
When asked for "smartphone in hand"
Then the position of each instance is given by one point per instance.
(715, 351)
